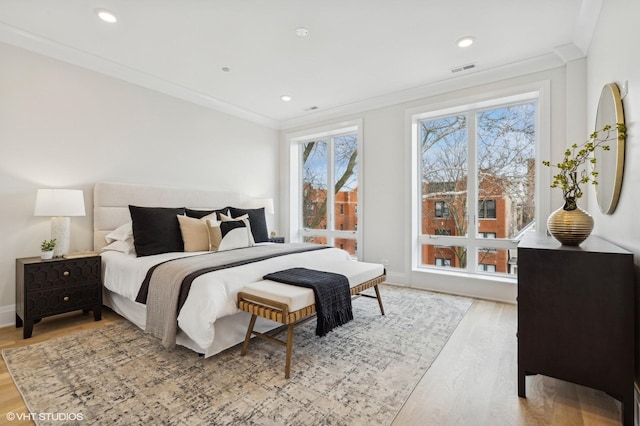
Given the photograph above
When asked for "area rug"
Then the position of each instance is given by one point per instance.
(358, 374)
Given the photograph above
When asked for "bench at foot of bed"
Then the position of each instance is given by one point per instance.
(292, 305)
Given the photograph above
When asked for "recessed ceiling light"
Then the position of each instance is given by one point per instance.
(466, 41)
(226, 69)
(285, 98)
(302, 32)
(106, 16)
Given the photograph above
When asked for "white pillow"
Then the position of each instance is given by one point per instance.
(122, 233)
(245, 219)
(125, 247)
(235, 236)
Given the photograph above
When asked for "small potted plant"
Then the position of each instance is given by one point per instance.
(46, 249)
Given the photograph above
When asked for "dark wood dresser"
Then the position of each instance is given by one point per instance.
(576, 315)
(51, 287)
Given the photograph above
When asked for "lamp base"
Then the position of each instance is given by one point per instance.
(61, 232)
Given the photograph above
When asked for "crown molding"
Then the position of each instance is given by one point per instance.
(585, 27)
(586, 24)
(44, 46)
(568, 52)
(468, 80)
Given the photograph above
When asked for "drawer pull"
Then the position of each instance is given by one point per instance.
(66, 298)
(65, 273)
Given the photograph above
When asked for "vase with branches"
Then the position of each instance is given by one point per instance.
(570, 224)
(569, 177)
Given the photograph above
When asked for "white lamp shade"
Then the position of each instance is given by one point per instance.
(59, 202)
(267, 203)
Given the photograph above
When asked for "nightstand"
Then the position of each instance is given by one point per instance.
(279, 240)
(51, 287)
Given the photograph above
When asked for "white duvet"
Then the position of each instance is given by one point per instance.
(212, 295)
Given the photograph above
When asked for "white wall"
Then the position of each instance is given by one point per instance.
(613, 58)
(67, 127)
(386, 182)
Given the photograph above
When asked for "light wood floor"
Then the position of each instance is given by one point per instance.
(472, 382)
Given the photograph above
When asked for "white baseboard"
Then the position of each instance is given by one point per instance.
(7, 316)
(458, 284)
(397, 278)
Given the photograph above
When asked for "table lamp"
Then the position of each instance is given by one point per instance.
(60, 204)
(267, 203)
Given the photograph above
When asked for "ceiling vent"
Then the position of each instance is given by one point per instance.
(463, 68)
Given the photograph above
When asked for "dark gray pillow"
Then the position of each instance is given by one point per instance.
(156, 230)
(199, 214)
(257, 221)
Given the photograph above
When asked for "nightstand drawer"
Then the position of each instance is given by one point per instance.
(56, 286)
(49, 275)
(54, 301)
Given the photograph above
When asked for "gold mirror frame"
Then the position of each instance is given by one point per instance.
(609, 164)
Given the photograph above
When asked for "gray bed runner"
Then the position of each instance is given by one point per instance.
(169, 279)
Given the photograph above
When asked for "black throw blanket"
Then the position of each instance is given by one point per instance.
(332, 293)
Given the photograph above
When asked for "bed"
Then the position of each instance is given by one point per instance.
(208, 320)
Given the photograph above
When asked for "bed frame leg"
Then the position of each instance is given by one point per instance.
(287, 367)
(379, 298)
(247, 338)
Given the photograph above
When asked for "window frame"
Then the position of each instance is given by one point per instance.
(539, 91)
(297, 233)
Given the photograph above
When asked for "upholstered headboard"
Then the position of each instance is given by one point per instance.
(111, 203)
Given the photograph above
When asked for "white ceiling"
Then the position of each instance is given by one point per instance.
(357, 50)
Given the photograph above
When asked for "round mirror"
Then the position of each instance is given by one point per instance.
(609, 164)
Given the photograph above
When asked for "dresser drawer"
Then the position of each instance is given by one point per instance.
(58, 300)
(50, 275)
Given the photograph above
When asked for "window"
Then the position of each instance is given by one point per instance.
(486, 268)
(441, 208)
(487, 234)
(324, 190)
(474, 162)
(443, 262)
(487, 209)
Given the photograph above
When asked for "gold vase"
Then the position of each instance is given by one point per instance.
(570, 227)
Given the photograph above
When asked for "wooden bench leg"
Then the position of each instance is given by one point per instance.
(287, 368)
(379, 298)
(247, 338)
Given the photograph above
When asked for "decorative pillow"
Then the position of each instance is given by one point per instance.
(215, 235)
(199, 214)
(195, 233)
(125, 246)
(156, 230)
(235, 234)
(257, 220)
(244, 217)
(121, 233)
